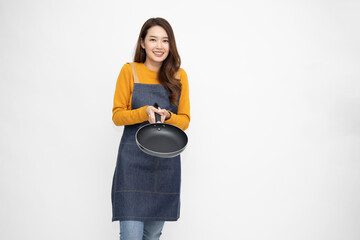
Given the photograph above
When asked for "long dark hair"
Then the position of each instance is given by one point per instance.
(170, 65)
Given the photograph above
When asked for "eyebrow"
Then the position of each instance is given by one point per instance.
(156, 37)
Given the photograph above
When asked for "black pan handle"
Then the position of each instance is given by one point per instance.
(157, 116)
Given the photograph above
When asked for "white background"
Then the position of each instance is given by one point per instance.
(274, 140)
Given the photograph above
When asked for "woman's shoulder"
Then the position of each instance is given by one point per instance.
(182, 71)
(126, 66)
(125, 73)
(125, 69)
(183, 74)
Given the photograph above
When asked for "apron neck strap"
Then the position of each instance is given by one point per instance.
(136, 78)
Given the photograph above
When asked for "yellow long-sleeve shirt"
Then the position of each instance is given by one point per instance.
(122, 112)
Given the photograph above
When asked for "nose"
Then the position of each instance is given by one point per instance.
(159, 44)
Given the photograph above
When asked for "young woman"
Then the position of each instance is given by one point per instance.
(146, 189)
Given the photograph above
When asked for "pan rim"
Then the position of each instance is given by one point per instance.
(155, 153)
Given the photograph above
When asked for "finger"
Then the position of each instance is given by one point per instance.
(151, 117)
(150, 110)
(159, 111)
(162, 112)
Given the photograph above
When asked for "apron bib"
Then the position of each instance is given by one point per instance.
(145, 188)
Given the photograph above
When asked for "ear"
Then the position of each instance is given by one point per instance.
(142, 44)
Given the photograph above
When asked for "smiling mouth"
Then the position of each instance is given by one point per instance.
(158, 54)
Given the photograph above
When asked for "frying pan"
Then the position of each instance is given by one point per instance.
(161, 139)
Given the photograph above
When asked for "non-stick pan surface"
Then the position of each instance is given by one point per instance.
(161, 139)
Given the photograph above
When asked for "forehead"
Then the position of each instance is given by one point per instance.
(157, 31)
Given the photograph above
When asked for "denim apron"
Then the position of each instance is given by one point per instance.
(145, 188)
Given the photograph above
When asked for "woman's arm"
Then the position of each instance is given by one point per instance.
(122, 113)
(182, 118)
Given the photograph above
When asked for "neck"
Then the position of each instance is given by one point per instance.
(154, 66)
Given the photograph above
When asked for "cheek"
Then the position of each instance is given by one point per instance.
(148, 46)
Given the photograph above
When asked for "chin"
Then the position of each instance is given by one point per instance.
(159, 60)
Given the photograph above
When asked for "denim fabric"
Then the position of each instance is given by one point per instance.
(138, 230)
(145, 188)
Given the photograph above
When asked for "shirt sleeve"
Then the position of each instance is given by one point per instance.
(182, 118)
(122, 112)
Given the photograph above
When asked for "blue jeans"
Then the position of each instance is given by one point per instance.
(138, 230)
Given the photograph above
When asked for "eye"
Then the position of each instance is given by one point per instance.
(166, 40)
(152, 39)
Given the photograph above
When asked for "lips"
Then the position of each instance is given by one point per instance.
(158, 54)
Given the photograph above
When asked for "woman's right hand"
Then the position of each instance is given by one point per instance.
(150, 111)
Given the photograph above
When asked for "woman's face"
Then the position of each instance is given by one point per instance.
(156, 45)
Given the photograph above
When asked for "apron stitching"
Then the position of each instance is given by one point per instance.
(148, 192)
(146, 217)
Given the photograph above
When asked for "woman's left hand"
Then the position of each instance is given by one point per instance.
(165, 115)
